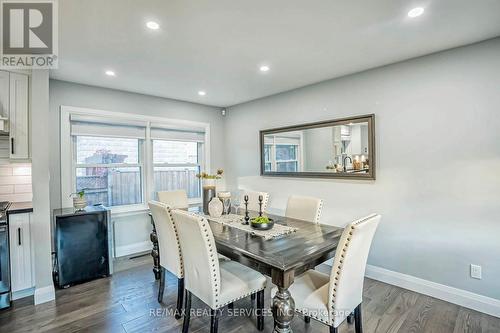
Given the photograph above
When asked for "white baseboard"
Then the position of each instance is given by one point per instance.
(45, 294)
(23, 293)
(126, 250)
(457, 296)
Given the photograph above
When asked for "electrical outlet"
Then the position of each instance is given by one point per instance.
(475, 271)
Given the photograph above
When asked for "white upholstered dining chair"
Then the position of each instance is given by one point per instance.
(170, 251)
(216, 283)
(304, 208)
(331, 299)
(175, 199)
(253, 200)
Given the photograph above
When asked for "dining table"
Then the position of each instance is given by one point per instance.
(282, 258)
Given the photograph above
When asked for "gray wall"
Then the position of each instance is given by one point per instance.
(71, 94)
(131, 231)
(438, 152)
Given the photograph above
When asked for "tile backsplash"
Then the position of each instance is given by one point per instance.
(15, 182)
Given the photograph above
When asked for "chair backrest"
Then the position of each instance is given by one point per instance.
(304, 208)
(253, 200)
(348, 270)
(201, 262)
(168, 238)
(175, 199)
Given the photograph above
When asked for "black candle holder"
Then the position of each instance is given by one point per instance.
(260, 204)
(247, 217)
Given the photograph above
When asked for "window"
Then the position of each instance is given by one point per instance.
(282, 154)
(123, 160)
(109, 169)
(176, 164)
(286, 158)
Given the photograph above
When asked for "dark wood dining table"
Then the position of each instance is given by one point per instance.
(281, 259)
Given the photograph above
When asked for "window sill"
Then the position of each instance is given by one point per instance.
(129, 210)
(119, 211)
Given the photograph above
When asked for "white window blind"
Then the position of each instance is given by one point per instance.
(167, 134)
(282, 140)
(107, 127)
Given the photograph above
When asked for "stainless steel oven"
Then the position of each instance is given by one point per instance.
(4, 265)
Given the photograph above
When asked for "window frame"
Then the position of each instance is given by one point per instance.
(272, 153)
(200, 152)
(68, 150)
(141, 165)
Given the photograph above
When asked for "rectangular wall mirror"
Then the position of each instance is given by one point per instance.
(341, 148)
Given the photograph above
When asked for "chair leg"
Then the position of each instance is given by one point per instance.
(260, 310)
(214, 321)
(307, 319)
(180, 297)
(358, 319)
(350, 318)
(333, 329)
(187, 312)
(162, 285)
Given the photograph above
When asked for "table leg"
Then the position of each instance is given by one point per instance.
(283, 306)
(155, 253)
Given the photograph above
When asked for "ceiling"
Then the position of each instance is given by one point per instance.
(218, 46)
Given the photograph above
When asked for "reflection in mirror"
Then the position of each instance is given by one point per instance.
(329, 149)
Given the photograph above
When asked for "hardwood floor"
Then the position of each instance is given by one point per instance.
(127, 303)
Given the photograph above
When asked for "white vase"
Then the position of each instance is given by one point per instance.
(215, 207)
(79, 203)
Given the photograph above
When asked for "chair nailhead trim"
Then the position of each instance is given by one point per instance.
(180, 269)
(214, 266)
(338, 272)
(238, 298)
(318, 212)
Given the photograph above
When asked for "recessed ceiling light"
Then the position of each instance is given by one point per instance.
(202, 93)
(110, 73)
(415, 12)
(153, 25)
(264, 68)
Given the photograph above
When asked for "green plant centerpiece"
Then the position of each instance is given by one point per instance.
(205, 175)
(80, 194)
(262, 223)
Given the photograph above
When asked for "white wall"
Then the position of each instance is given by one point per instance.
(318, 149)
(132, 231)
(15, 182)
(41, 176)
(438, 155)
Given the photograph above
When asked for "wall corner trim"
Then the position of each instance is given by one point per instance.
(467, 299)
(44, 294)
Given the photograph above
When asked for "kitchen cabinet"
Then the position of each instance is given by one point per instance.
(18, 116)
(4, 99)
(21, 264)
(355, 143)
(14, 116)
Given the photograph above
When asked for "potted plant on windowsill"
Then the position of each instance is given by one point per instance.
(79, 201)
(209, 184)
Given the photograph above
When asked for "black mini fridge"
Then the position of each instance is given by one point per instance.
(81, 245)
